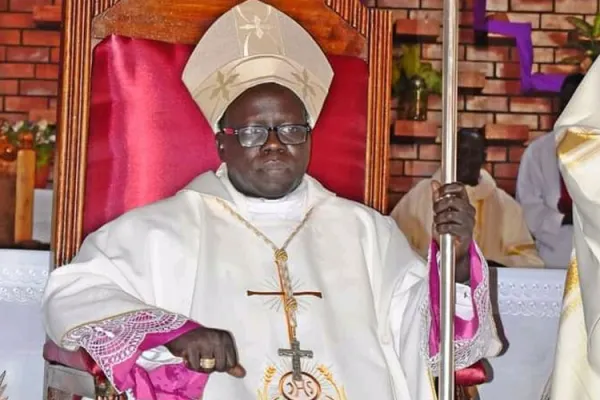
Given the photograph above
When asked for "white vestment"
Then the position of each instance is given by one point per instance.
(538, 192)
(188, 255)
(577, 365)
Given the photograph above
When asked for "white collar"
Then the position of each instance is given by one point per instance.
(290, 207)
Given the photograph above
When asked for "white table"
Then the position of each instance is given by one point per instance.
(529, 303)
(23, 275)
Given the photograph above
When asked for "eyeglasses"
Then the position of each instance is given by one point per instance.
(253, 136)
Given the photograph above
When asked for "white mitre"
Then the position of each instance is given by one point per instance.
(251, 44)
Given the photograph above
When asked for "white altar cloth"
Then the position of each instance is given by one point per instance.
(529, 302)
(23, 275)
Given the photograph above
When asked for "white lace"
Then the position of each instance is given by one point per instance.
(113, 341)
(466, 351)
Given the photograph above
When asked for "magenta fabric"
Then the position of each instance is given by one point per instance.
(172, 382)
(148, 138)
(463, 329)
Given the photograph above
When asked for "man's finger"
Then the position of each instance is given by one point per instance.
(238, 371)
(452, 203)
(220, 359)
(435, 187)
(456, 230)
(191, 359)
(455, 217)
(453, 189)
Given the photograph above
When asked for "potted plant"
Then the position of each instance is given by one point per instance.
(586, 38)
(43, 136)
(412, 82)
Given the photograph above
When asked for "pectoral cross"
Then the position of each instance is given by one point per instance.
(253, 293)
(296, 355)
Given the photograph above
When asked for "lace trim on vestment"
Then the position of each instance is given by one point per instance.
(113, 341)
(467, 351)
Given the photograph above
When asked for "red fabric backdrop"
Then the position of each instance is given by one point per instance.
(148, 138)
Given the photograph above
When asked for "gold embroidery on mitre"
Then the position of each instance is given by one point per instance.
(317, 384)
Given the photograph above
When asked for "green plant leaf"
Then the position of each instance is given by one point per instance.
(583, 27)
(425, 67)
(596, 30)
(396, 74)
(411, 60)
(433, 80)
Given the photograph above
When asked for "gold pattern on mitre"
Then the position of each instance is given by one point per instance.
(578, 127)
(251, 44)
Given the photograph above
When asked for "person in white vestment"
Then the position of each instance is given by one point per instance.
(256, 282)
(540, 192)
(500, 229)
(577, 363)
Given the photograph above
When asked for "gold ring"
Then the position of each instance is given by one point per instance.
(207, 363)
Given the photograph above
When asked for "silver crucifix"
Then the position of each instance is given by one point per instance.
(296, 355)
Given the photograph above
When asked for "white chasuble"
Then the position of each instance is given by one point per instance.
(361, 325)
(577, 363)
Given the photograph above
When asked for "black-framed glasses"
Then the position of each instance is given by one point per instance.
(253, 136)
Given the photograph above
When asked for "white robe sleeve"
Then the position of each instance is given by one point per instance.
(543, 221)
(105, 301)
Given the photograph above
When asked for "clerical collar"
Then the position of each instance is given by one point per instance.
(290, 207)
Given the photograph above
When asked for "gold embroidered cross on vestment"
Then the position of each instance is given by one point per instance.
(289, 297)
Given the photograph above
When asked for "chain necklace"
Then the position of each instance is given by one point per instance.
(280, 257)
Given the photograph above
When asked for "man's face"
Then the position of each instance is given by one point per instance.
(471, 156)
(274, 169)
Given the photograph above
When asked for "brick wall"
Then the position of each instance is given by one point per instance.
(29, 55)
(500, 101)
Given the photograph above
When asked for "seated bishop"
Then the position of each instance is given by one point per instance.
(500, 228)
(256, 282)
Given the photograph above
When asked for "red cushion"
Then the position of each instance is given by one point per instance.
(148, 138)
(79, 360)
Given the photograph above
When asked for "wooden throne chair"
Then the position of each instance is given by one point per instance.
(130, 134)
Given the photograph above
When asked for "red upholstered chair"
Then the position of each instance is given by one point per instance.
(130, 134)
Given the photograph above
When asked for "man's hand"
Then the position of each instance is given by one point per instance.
(454, 214)
(208, 344)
